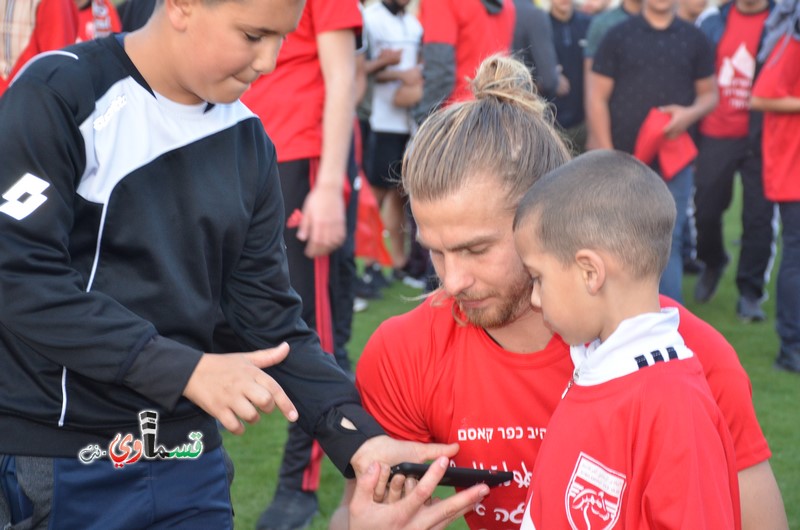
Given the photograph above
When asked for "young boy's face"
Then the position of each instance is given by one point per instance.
(229, 44)
(558, 289)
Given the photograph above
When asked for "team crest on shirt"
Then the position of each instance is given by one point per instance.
(594, 495)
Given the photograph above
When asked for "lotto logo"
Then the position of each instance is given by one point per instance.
(24, 197)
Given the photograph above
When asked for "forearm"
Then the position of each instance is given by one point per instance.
(761, 502)
(388, 75)
(786, 104)
(361, 78)
(337, 129)
(338, 70)
(702, 105)
(376, 65)
(598, 121)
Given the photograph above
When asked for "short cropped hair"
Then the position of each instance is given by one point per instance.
(507, 132)
(603, 200)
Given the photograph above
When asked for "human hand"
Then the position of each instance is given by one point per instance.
(389, 57)
(563, 87)
(233, 387)
(388, 451)
(412, 76)
(407, 96)
(681, 119)
(408, 504)
(322, 226)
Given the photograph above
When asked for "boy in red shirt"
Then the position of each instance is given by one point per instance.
(637, 438)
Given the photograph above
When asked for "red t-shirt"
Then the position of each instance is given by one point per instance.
(46, 25)
(290, 100)
(471, 30)
(647, 450)
(426, 378)
(779, 78)
(736, 65)
(98, 19)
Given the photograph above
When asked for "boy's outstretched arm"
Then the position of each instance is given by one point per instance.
(233, 387)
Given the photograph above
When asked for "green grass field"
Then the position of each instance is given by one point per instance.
(776, 394)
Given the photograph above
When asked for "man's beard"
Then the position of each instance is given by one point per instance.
(514, 301)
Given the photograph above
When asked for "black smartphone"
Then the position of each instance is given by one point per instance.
(460, 477)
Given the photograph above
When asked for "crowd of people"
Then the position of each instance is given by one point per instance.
(183, 186)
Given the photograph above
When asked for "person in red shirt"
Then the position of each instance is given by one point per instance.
(457, 36)
(729, 143)
(30, 27)
(474, 363)
(307, 106)
(97, 18)
(777, 93)
(637, 439)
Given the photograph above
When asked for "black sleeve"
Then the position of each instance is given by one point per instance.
(47, 304)
(605, 59)
(263, 310)
(439, 73)
(705, 63)
(545, 62)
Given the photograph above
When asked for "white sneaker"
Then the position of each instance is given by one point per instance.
(415, 283)
(359, 305)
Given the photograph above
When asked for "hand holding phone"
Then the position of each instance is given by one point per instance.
(460, 477)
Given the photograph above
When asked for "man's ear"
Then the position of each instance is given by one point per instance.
(592, 268)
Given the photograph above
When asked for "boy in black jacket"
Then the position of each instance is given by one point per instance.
(140, 198)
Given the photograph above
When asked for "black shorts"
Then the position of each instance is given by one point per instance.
(386, 158)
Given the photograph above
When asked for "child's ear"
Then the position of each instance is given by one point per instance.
(178, 12)
(592, 268)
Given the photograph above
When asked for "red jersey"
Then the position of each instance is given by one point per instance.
(472, 31)
(638, 441)
(780, 77)
(290, 100)
(736, 66)
(31, 28)
(98, 19)
(427, 378)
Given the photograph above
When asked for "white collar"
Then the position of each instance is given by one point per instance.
(637, 343)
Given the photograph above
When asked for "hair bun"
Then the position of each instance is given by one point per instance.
(507, 80)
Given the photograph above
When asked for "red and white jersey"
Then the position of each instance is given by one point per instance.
(638, 441)
(427, 378)
(735, 68)
(98, 19)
